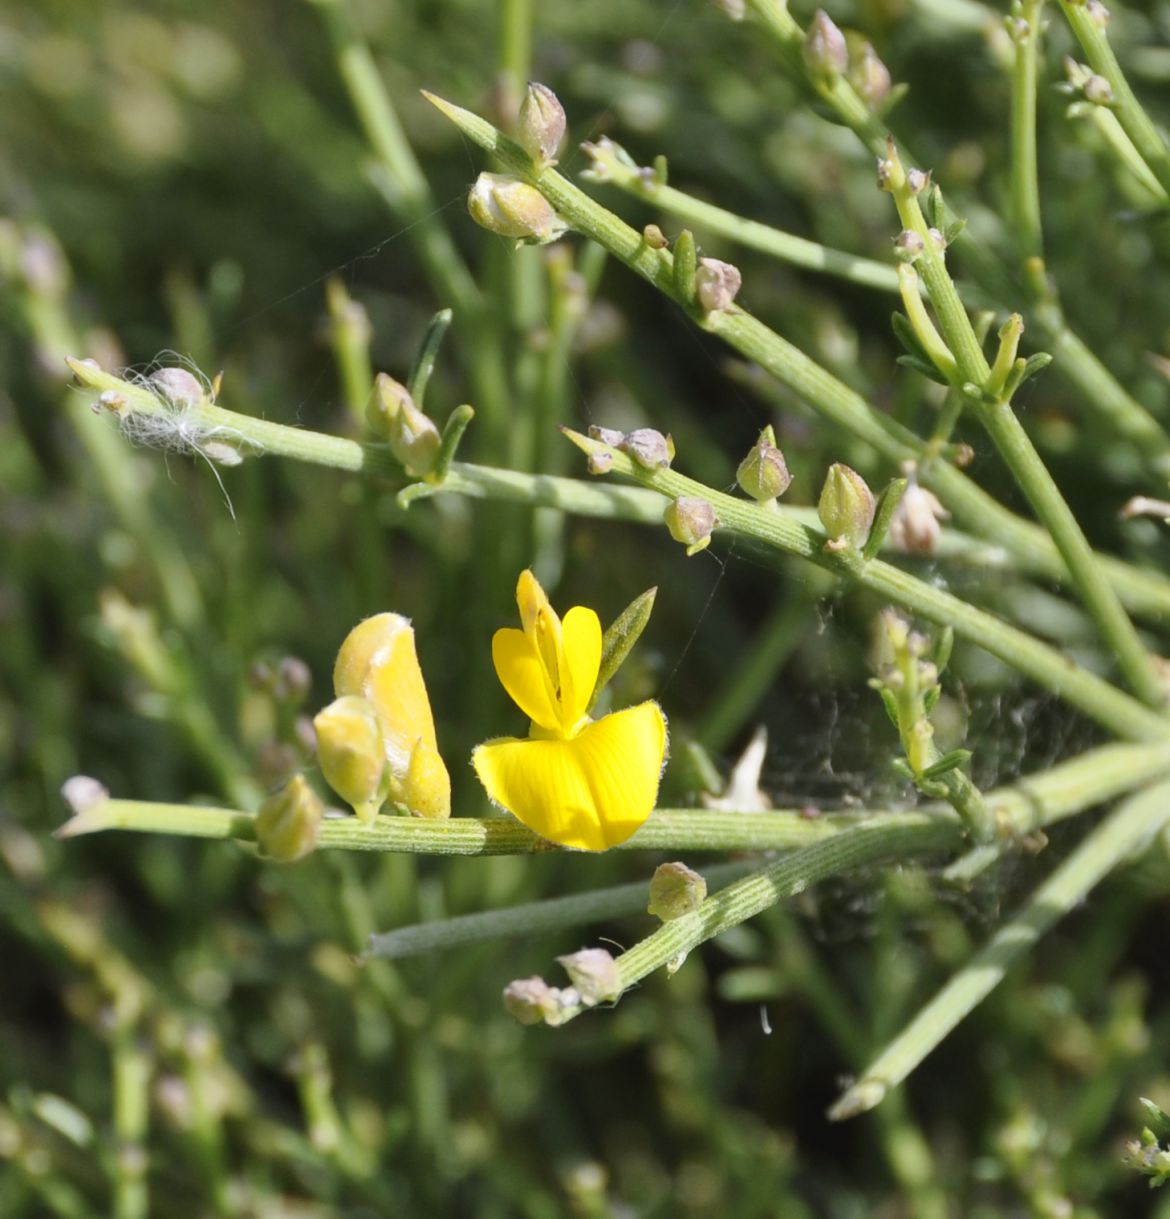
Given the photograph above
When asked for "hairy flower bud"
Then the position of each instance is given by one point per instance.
(691, 521)
(908, 245)
(870, 77)
(763, 473)
(181, 389)
(288, 821)
(541, 127)
(675, 890)
(846, 508)
(716, 283)
(351, 753)
(511, 208)
(914, 527)
(413, 438)
(594, 975)
(530, 1000)
(917, 180)
(824, 49)
(650, 449)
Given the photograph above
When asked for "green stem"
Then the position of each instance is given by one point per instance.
(1033, 802)
(131, 1087)
(543, 917)
(787, 247)
(804, 376)
(1130, 113)
(1026, 224)
(1017, 450)
(884, 838)
(1099, 700)
(1099, 598)
(1126, 831)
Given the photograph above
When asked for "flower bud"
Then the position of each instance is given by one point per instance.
(426, 787)
(846, 508)
(691, 521)
(530, 1000)
(412, 437)
(1098, 12)
(870, 77)
(607, 435)
(917, 180)
(288, 820)
(675, 890)
(716, 284)
(763, 473)
(541, 127)
(914, 527)
(511, 208)
(599, 463)
(181, 389)
(351, 754)
(594, 975)
(650, 449)
(378, 663)
(908, 245)
(1098, 91)
(654, 237)
(824, 50)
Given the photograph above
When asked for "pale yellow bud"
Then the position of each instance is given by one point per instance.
(413, 438)
(351, 754)
(288, 821)
(378, 663)
(542, 124)
(507, 206)
(846, 507)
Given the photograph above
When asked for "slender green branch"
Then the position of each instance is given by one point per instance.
(1125, 832)
(1099, 700)
(1100, 392)
(870, 842)
(1017, 450)
(1138, 125)
(542, 917)
(1025, 179)
(787, 247)
(1031, 803)
(749, 336)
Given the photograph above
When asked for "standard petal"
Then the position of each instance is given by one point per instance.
(394, 684)
(523, 676)
(540, 623)
(581, 651)
(590, 792)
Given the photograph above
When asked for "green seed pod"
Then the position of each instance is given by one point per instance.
(846, 508)
(541, 127)
(691, 521)
(675, 890)
(763, 473)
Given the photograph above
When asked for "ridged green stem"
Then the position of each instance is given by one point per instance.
(1127, 830)
(1025, 180)
(1138, 125)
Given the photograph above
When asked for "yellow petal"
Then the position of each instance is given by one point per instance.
(540, 623)
(590, 792)
(426, 790)
(350, 752)
(581, 661)
(378, 662)
(523, 676)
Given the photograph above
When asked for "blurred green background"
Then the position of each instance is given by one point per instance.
(183, 1028)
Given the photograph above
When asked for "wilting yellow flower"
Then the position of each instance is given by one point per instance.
(382, 712)
(575, 781)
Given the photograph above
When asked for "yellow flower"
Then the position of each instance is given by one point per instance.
(574, 781)
(376, 741)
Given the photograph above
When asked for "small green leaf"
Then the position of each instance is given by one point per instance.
(905, 333)
(1157, 1117)
(930, 699)
(921, 366)
(891, 705)
(887, 505)
(943, 648)
(686, 260)
(947, 763)
(620, 637)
